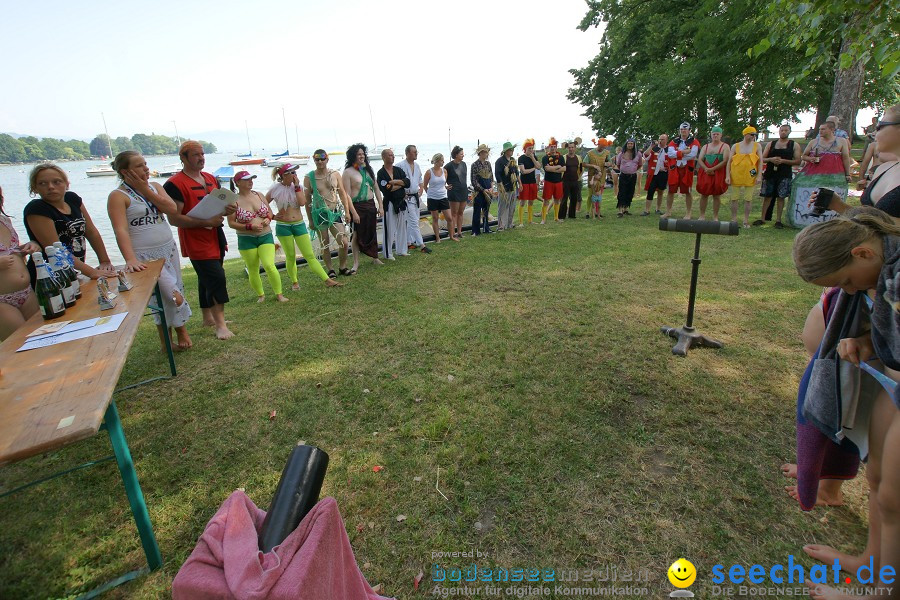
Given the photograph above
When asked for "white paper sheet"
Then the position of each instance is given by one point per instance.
(76, 331)
(213, 205)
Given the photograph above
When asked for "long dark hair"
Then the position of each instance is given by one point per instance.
(2, 212)
(352, 151)
(634, 149)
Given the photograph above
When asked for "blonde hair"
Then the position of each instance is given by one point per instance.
(823, 248)
(437, 157)
(32, 177)
(123, 160)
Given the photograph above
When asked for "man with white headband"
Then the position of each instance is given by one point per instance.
(682, 158)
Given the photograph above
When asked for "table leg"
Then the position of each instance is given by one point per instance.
(165, 326)
(132, 487)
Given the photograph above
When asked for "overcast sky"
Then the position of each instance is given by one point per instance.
(485, 69)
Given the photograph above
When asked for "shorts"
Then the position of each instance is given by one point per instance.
(438, 204)
(295, 229)
(596, 199)
(776, 188)
(528, 191)
(660, 181)
(743, 192)
(211, 283)
(680, 180)
(252, 242)
(553, 189)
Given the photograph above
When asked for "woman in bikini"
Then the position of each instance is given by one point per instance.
(137, 210)
(291, 231)
(256, 245)
(17, 301)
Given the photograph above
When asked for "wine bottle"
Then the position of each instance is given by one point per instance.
(47, 291)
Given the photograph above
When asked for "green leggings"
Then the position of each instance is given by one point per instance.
(306, 249)
(264, 253)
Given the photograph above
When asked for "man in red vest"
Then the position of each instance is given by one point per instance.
(201, 240)
(682, 158)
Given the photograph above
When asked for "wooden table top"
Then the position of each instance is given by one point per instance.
(57, 395)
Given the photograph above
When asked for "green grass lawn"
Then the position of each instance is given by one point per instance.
(568, 435)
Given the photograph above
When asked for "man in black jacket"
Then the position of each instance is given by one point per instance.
(393, 183)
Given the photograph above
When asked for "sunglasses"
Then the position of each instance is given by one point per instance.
(882, 124)
(320, 158)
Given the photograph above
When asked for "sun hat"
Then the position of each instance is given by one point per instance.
(482, 148)
(242, 175)
(508, 146)
(288, 168)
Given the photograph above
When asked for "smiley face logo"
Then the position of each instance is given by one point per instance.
(682, 573)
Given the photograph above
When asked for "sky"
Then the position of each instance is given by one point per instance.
(480, 69)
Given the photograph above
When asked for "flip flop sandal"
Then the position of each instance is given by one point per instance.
(332, 274)
(344, 272)
(351, 272)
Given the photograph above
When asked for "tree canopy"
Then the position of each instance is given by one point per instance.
(30, 148)
(661, 63)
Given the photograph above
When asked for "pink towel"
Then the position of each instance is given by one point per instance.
(315, 562)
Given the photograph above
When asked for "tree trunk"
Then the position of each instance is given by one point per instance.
(702, 128)
(847, 91)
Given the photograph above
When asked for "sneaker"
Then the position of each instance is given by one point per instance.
(411, 247)
(758, 222)
(587, 216)
(778, 225)
(618, 215)
(645, 213)
(626, 212)
(425, 249)
(659, 212)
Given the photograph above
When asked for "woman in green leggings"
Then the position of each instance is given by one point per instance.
(251, 220)
(287, 193)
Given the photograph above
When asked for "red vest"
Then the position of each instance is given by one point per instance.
(689, 143)
(198, 243)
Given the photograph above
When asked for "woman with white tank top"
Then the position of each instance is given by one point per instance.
(137, 210)
(435, 184)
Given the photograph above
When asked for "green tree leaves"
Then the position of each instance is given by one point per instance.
(30, 148)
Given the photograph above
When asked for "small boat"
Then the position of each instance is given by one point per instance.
(248, 159)
(224, 174)
(100, 171)
(286, 159)
(167, 170)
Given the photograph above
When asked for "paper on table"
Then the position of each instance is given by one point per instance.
(76, 331)
(213, 205)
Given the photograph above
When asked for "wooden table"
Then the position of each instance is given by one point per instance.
(57, 395)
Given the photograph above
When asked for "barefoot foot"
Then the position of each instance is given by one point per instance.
(827, 555)
(223, 333)
(823, 498)
(184, 340)
(261, 299)
(789, 470)
(333, 283)
(281, 298)
(295, 287)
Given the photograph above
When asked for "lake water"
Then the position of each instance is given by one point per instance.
(95, 190)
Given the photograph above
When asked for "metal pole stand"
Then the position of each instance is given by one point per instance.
(687, 336)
